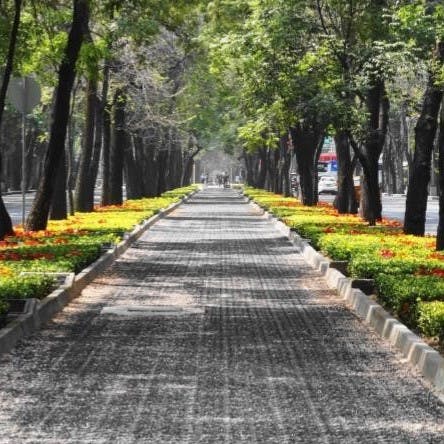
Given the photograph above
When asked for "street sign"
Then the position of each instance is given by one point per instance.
(24, 94)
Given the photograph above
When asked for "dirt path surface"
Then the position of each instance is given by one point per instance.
(211, 329)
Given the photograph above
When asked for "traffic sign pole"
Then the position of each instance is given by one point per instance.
(24, 94)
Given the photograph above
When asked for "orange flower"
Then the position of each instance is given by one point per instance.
(385, 253)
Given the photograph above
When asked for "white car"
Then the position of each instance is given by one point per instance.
(327, 185)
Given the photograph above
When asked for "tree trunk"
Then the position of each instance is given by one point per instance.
(286, 160)
(345, 201)
(262, 168)
(419, 177)
(132, 173)
(378, 108)
(306, 142)
(188, 162)
(95, 161)
(5, 220)
(83, 202)
(59, 209)
(106, 143)
(175, 166)
(119, 139)
(440, 232)
(145, 157)
(38, 217)
(162, 163)
(249, 165)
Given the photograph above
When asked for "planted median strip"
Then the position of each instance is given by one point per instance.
(69, 246)
(408, 272)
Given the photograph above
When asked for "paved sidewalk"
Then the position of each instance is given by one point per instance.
(211, 329)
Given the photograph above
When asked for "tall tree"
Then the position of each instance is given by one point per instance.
(425, 131)
(5, 220)
(440, 232)
(38, 217)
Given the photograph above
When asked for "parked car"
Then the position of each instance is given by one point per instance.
(327, 185)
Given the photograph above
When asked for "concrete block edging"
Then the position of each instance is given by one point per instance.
(413, 349)
(44, 310)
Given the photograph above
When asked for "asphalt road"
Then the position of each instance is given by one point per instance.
(393, 207)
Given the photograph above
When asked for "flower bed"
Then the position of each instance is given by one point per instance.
(408, 272)
(69, 245)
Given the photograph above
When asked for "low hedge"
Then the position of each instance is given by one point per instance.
(409, 273)
(431, 319)
(36, 286)
(402, 294)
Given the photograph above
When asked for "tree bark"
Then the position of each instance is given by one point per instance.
(106, 143)
(378, 108)
(440, 232)
(162, 163)
(145, 153)
(286, 160)
(345, 201)
(38, 217)
(132, 173)
(306, 142)
(119, 140)
(5, 220)
(83, 202)
(59, 209)
(262, 168)
(420, 172)
(97, 149)
(250, 161)
(193, 150)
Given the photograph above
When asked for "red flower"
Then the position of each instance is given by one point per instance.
(387, 253)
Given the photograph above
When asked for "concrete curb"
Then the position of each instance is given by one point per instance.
(416, 352)
(24, 325)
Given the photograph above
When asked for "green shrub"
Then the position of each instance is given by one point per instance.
(431, 319)
(403, 293)
(343, 247)
(4, 306)
(23, 287)
(370, 265)
(178, 193)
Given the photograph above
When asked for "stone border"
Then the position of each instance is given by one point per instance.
(421, 356)
(43, 311)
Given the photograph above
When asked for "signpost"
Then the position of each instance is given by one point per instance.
(24, 94)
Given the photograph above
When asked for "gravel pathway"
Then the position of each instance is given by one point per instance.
(211, 329)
